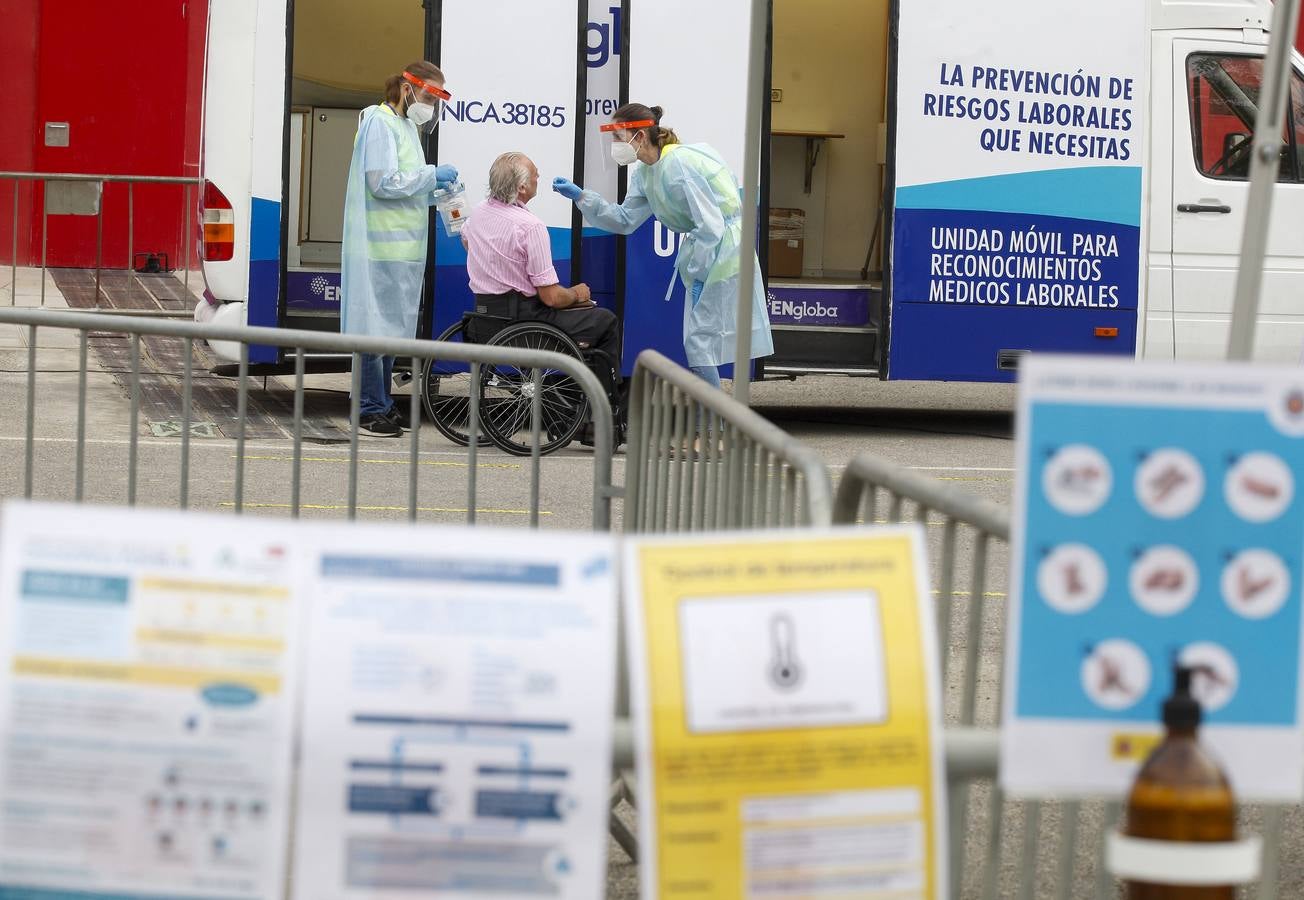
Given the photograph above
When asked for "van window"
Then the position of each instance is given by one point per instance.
(1224, 98)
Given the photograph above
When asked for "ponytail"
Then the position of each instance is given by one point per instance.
(636, 112)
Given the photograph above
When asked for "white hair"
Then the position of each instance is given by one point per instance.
(509, 173)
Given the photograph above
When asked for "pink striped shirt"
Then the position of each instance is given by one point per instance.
(507, 249)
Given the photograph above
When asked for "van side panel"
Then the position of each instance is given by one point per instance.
(1018, 183)
(268, 145)
(228, 152)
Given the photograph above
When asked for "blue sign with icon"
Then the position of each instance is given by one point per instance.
(1160, 517)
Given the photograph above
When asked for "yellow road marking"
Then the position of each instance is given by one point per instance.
(971, 478)
(384, 462)
(430, 509)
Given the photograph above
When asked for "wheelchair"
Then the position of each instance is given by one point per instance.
(505, 392)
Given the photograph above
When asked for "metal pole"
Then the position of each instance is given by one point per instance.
(1264, 165)
(99, 248)
(13, 260)
(185, 244)
(187, 413)
(45, 223)
(751, 182)
(131, 248)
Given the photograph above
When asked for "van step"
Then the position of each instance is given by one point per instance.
(827, 350)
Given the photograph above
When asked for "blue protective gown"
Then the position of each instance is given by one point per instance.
(386, 221)
(692, 192)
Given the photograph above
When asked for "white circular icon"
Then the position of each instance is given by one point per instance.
(1287, 413)
(1255, 584)
(1077, 480)
(1216, 676)
(1072, 578)
(1164, 580)
(1259, 487)
(1170, 483)
(1116, 674)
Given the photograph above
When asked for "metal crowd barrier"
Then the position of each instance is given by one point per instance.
(235, 393)
(698, 460)
(999, 848)
(85, 197)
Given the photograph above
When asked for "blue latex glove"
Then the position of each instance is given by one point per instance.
(697, 291)
(567, 188)
(444, 185)
(446, 173)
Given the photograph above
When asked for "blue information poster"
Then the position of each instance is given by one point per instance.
(1159, 518)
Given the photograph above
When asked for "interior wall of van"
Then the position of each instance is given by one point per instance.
(830, 62)
(343, 52)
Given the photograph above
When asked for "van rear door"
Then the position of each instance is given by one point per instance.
(1211, 161)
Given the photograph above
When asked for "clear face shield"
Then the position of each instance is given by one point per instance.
(427, 103)
(626, 140)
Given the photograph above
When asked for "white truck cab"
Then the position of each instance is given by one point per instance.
(1206, 69)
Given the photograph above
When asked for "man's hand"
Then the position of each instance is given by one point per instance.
(583, 296)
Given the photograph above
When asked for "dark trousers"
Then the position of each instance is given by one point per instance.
(588, 326)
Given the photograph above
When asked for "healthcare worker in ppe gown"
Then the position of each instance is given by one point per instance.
(386, 219)
(690, 189)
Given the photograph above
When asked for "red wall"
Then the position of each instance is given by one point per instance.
(18, 43)
(129, 83)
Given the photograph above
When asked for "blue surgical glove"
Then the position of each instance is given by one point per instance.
(697, 291)
(446, 173)
(567, 188)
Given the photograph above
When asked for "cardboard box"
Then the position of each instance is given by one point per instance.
(787, 242)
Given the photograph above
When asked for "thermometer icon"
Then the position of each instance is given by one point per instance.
(785, 670)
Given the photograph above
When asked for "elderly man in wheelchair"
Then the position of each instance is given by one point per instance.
(519, 302)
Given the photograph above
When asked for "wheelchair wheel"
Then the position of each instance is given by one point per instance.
(446, 390)
(507, 392)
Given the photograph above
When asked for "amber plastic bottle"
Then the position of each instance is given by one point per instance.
(1181, 794)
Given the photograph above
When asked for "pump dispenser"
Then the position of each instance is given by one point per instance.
(1181, 794)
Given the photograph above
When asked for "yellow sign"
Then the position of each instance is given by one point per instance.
(786, 701)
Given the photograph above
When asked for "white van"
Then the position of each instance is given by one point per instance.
(857, 161)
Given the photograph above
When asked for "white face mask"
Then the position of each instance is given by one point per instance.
(420, 113)
(623, 153)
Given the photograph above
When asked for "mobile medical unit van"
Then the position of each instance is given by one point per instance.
(1027, 175)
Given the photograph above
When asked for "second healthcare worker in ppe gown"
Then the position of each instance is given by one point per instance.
(690, 189)
(386, 219)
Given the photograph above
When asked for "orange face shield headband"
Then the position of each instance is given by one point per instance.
(626, 126)
(428, 86)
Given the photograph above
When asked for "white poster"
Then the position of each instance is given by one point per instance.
(604, 49)
(457, 718)
(1019, 155)
(689, 58)
(700, 81)
(1158, 519)
(512, 67)
(146, 704)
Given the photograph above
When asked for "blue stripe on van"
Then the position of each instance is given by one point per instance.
(265, 229)
(1091, 193)
(264, 272)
